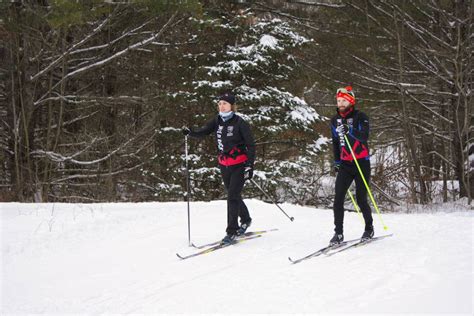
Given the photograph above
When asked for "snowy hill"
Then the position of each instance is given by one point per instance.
(120, 258)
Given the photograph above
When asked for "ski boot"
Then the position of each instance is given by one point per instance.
(243, 228)
(228, 239)
(336, 239)
(368, 234)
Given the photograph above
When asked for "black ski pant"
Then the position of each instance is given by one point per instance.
(347, 173)
(233, 177)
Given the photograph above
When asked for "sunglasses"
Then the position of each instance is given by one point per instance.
(344, 90)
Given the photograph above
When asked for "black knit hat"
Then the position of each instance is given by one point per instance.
(228, 97)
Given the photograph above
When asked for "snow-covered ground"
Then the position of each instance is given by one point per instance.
(120, 258)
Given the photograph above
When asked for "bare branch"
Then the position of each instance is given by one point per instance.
(68, 52)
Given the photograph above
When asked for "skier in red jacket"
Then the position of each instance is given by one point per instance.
(355, 125)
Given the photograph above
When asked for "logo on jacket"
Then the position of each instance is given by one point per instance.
(230, 131)
(220, 145)
(350, 122)
(341, 136)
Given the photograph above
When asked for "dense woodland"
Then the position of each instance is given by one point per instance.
(94, 93)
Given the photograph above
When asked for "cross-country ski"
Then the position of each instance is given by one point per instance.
(323, 250)
(247, 234)
(217, 247)
(357, 244)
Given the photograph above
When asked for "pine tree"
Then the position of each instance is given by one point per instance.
(255, 57)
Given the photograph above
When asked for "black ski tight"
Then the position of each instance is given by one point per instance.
(347, 173)
(233, 177)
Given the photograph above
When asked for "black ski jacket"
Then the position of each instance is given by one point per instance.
(234, 139)
(358, 136)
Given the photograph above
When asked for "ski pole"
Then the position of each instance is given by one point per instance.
(188, 187)
(355, 204)
(365, 182)
(256, 184)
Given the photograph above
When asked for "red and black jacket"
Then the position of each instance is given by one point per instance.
(358, 136)
(234, 139)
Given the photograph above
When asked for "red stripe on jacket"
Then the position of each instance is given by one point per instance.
(229, 161)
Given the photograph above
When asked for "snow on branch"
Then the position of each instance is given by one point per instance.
(96, 175)
(429, 109)
(442, 157)
(59, 158)
(73, 47)
(77, 119)
(419, 29)
(382, 26)
(131, 32)
(319, 4)
(74, 99)
(110, 58)
(122, 52)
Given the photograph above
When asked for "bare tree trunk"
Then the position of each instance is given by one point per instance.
(23, 107)
(407, 127)
(463, 76)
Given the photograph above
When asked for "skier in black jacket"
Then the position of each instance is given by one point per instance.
(355, 125)
(236, 156)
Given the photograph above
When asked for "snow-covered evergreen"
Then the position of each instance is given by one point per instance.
(254, 58)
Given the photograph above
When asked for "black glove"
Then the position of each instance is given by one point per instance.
(186, 131)
(342, 129)
(337, 167)
(248, 172)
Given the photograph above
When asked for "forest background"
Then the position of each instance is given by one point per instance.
(93, 95)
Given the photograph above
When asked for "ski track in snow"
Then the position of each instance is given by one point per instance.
(120, 258)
